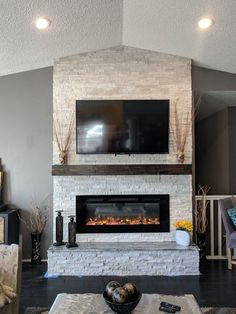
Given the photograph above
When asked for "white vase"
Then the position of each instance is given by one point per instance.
(182, 237)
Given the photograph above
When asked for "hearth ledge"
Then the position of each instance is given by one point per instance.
(126, 246)
(124, 259)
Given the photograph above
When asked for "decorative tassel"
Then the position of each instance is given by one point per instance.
(180, 157)
(63, 157)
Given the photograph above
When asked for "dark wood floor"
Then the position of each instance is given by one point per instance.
(215, 288)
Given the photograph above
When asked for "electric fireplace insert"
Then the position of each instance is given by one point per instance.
(122, 213)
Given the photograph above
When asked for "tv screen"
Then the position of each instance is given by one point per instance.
(122, 126)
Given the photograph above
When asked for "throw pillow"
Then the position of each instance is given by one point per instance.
(232, 215)
(6, 294)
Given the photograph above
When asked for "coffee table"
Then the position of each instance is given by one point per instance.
(90, 303)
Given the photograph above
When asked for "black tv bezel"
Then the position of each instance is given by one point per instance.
(124, 153)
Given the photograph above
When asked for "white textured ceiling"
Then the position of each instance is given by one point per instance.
(77, 26)
(168, 26)
(171, 26)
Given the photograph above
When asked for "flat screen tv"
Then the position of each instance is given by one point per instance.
(122, 126)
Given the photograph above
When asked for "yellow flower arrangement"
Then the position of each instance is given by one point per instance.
(184, 225)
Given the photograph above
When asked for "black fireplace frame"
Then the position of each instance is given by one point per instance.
(164, 215)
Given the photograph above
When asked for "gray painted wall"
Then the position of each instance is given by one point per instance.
(216, 151)
(215, 136)
(26, 143)
(232, 150)
(212, 152)
(26, 135)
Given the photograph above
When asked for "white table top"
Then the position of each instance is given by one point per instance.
(90, 303)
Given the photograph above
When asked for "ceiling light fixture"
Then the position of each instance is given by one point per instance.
(42, 23)
(205, 23)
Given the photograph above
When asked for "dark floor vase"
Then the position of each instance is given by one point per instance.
(201, 242)
(36, 253)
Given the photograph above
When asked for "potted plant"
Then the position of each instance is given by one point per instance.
(201, 223)
(36, 223)
(63, 136)
(181, 126)
(183, 232)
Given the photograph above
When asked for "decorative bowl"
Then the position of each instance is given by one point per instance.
(124, 308)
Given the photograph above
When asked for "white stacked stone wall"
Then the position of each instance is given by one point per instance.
(133, 259)
(179, 187)
(123, 73)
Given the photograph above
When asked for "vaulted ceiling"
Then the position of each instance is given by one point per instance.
(168, 26)
(215, 101)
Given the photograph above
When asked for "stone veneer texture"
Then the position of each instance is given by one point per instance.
(179, 187)
(123, 73)
(137, 260)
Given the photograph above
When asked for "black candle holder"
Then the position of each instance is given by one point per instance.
(59, 229)
(71, 233)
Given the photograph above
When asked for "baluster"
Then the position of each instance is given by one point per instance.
(219, 231)
(212, 227)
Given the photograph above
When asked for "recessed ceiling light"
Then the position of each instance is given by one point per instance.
(42, 23)
(205, 23)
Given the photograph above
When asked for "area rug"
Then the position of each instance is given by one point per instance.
(205, 310)
(36, 310)
(219, 310)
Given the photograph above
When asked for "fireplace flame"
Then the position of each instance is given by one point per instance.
(100, 221)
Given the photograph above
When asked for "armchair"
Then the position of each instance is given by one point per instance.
(225, 204)
(10, 274)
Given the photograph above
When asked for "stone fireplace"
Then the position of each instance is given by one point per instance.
(122, 213)
(178, 188)
(123, 73)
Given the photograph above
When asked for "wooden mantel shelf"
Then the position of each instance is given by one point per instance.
(88, 170)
